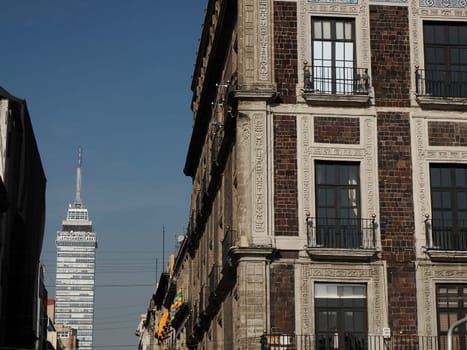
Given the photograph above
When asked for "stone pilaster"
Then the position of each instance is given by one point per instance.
(252, 297)
(255, 44)
(253, 174)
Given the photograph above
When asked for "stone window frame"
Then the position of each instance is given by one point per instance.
(308, 152)
(373, 275)
(417, 15)
(306, 10)
(424, 155)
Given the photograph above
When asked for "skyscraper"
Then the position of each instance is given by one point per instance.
(76, 261)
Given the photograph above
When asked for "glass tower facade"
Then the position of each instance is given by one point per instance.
(76, 265)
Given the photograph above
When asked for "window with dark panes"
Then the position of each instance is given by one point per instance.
(333, 55)
(451, 305)
(449, 206)
(445, 46)
(338, 204)
(341, 316)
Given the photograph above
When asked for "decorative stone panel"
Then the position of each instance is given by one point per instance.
(255, 43)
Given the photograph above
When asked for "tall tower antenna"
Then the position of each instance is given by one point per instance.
(78, 176)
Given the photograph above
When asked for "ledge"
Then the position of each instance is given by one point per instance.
(442, 103)
(251, 252)
(322, 99)
(341, 254)
(255, 94)
(447, 255)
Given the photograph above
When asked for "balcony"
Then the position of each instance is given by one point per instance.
(446, 239)
(441, 89)
(348, 239)
(349, 341)
(344, 86)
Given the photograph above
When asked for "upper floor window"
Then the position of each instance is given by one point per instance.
(445, 48)
(449, 207)
(333, 56)
(338, 205)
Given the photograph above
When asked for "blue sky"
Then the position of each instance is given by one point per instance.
(114, 77)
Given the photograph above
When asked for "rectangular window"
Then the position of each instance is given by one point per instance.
(445, 45)
(449, 206)
(451, 305)
(338, 221)
(341, 316)
(333, 55)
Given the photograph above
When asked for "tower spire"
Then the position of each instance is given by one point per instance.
(78, 177)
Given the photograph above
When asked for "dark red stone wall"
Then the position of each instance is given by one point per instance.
(447, 134)
(282, 299)
(390, 55)
(337, 130)
(285, 49)
(397, 219)
(285, 176)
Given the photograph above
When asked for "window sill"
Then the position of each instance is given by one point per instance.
(322, 99)
(446, 255)
(340, 254)
(442, 103)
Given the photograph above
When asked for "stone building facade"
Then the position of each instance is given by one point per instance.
(329, 167)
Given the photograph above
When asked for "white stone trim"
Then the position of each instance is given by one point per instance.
(309, 151)
(307, 9)
(373, 275)
(422, 156)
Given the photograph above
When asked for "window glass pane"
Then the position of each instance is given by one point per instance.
(462, 200)
(446, 200)
(327, 30)
(348, 31)
(339, 30)
(461, 177)
(445, 177)
(317, 30)
(453, 35)
(317, 52)
(327, 53)
(439, 36)
(444, 322)
(462, 29)
(348, 321)
(428, 33)
(320, 173)
(340, 53)
(353, 175)
(349, 54)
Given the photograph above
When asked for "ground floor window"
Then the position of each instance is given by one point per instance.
(451, 304)
(341, 316)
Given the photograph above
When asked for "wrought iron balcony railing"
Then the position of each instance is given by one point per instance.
(336, 80)
(352, 341)
(441, 83)
(446, 234)
(341, 233)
